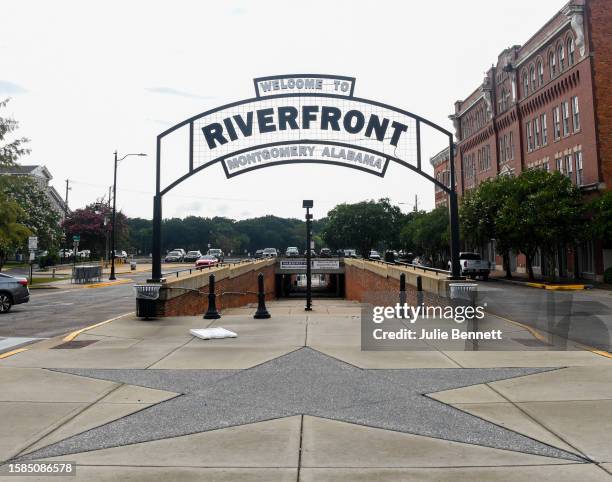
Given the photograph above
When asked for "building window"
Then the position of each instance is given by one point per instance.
(576, 113)
(502, 149)
(556, 124)
(525, 84)
(544, 130)
(586, 257)
(561, 54)
(529, 137)
(511, 146)
(540, 73)
(570, 51)
(552, 64)
(567, 166)
(546, 166)
(536, 132)
(559, 162)
(579, 174)
(532, 78)
(566, 129)
(488, 155)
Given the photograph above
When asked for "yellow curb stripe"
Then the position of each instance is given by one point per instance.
(74, 334)
(11, 353)
(108, 283)
(556, 287)
(596, 351)
(535, 333)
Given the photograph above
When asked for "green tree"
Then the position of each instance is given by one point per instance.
(12, 232)
(10, 151)
(601, 222)
(545, 210)
(39, 216)
(427, 233)
(364, 225)
(479, 216)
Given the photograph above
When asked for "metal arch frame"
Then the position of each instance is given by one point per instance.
(450, 190)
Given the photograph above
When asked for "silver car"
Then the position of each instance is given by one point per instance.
(13, 291)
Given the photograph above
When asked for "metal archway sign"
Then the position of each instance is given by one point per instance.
(303, 118)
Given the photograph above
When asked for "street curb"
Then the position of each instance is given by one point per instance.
(71, 336)
(544, 286)
(108, 283)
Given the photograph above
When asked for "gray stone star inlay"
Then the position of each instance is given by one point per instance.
(302, 382)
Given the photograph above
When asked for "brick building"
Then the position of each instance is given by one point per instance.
(545, 104)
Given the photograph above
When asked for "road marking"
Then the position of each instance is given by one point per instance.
(74, 334)
(108, 283)
(11, 353)
(557, 287)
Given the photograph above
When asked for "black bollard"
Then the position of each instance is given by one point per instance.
(402, 294)
(262, 311)
(419, 281)
(211, 312)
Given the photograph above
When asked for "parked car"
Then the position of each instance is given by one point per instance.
(86, 253)
(206, 261)
(66, 253)
(217, 253)
(313, 253)
(374, 255)
(259, 254)
(174, 257)
(472, 266)
(192, 256)
(119, 254)
(350, 253)
(13, 291)
(270, 253)
(422, 261)
(181, 250)
(325, 253)
(292, 252)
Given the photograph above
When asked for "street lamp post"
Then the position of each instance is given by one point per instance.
(117, 161)
(308, 204)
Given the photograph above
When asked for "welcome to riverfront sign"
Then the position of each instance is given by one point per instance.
(301, 118)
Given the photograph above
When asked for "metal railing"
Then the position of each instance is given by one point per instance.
(209, 267)
(415, 267)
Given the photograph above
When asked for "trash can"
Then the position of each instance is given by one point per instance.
(133, 265)
(463, 292)
(146, 300)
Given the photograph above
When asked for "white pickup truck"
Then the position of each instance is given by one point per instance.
(472, 265)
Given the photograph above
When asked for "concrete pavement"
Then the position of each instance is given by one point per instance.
(568, 408)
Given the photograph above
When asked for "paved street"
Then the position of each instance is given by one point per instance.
(295, 398)
(583, 316)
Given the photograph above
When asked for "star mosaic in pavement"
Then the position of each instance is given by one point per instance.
(304, 382)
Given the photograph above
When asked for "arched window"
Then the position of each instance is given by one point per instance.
(540, 73)
(532, 78)
(561, 55)
(525, 84)
(502, 100)
(552, 64)
(570, 51)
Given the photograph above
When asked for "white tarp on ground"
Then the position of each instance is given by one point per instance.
(211, 333)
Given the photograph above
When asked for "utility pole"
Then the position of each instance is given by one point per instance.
(416, 203)
(68, 188)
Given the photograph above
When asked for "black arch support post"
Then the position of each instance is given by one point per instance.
(453, 214)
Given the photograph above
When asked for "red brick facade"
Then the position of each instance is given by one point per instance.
(229, 294)
(546, 104)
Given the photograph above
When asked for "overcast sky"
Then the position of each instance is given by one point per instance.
(87, 78)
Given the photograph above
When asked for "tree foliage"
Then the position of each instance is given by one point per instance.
(427, 233)
(12, 232)
(365, 225)
(601, 211)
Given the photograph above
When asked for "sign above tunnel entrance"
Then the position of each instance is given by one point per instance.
(304, 119)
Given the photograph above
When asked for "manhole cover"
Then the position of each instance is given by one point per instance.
(74, 344)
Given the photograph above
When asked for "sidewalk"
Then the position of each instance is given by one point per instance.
(295, 398)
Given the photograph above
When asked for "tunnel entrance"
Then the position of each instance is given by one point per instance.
(324, 285)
